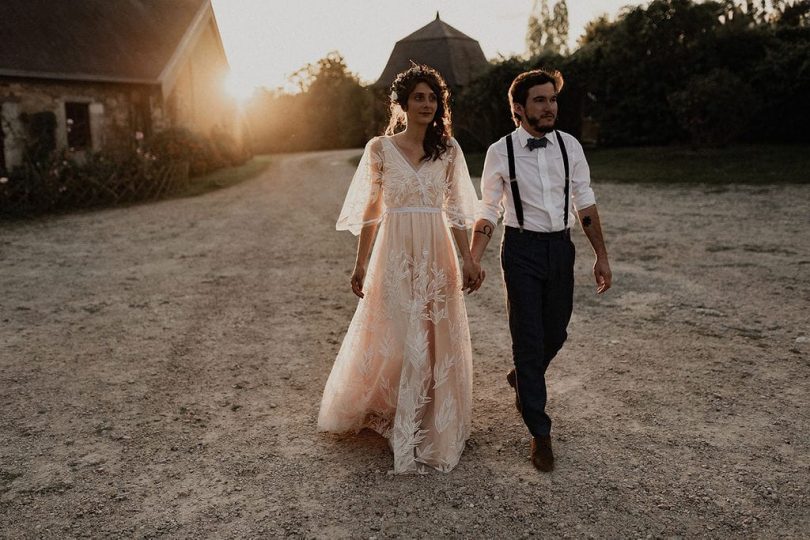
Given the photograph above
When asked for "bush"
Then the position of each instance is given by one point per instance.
(714, 108)
(62, 182)
(180, 144)
(120, 173)
(331, 110)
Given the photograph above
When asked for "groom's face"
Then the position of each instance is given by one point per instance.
(540, 111)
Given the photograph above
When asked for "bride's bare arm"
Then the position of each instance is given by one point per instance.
(367, 233)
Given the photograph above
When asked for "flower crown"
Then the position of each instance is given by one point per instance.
(416, 70)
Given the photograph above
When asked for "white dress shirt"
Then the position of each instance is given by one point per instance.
(541, 179)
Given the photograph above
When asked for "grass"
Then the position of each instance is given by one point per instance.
(739, 164)
(226, 177)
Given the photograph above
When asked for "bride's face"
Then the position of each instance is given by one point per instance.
(422, 104)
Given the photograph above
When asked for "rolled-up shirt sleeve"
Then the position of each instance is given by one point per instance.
(491, 205)
(580, 179)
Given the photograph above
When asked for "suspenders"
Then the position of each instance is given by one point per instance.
(567, 180)
(513, 181)
(510, 151)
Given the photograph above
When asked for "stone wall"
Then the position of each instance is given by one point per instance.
(117, 111)
(195, 99)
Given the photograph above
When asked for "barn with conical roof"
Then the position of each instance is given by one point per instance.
(457, 56)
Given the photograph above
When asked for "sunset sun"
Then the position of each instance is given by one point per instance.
(239, 86)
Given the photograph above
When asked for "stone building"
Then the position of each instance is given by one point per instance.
(84, 73)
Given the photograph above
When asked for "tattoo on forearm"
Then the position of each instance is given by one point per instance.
(485, 230)
(586, 221)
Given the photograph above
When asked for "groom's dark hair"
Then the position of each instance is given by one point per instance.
(519, 89)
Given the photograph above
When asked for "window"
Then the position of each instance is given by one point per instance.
(77, 116)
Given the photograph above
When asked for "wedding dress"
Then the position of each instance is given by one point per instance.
(405, 366)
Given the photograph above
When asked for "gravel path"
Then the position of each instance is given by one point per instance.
(161, 368)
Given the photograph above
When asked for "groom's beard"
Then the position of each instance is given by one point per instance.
(542, 124)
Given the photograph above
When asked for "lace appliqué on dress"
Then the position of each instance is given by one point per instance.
(405, 366)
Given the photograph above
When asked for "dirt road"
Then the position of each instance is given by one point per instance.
(161, 368)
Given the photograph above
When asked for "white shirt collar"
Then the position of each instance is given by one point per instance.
(524, 136)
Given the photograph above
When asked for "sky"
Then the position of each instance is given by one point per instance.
(268, 40)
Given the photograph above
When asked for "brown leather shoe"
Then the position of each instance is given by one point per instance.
(542, 456)
(511, 378)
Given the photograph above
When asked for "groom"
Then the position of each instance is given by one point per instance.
(535, 174)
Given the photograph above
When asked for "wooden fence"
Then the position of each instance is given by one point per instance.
(33, 190)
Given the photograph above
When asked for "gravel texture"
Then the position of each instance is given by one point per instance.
(161, 368)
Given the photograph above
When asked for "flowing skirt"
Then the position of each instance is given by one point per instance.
(405, 366)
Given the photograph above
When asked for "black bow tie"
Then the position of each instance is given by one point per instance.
(533, 143)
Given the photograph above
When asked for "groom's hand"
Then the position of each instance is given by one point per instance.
(603, 275)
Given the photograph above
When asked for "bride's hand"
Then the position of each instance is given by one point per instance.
(358, 275)
(471, 271)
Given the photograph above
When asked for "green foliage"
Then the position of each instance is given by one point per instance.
(547, 30)
(633, 66)
(760, 163)
(222, 178)
(120, 173)
(793, 15)
(782, 81)
(635, 63)
(329, 111)
(62, 181)
(481, 112)
(714, 108)
(203, 154)
(629, 78)
(735, 164)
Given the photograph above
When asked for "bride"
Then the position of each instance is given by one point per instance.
(405, 366)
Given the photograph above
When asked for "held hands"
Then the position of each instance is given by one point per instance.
(473, 276)
(602, 274)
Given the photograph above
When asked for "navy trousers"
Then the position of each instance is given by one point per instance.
(538, 269)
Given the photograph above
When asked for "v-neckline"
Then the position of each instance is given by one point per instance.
(404, 157)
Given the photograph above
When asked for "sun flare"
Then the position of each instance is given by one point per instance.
(239, 87)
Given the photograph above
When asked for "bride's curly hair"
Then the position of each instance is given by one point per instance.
(437, 136)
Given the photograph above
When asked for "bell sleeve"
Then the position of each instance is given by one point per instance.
(365, 188)
(460, 199)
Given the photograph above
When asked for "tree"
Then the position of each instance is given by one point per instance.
(636, 67)
(634, 63)
(482, 108)
(794, 14)
(334, 102)
(329, 110)
(547, 30)
(714, 108)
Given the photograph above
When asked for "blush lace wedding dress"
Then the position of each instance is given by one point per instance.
(405, 366)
